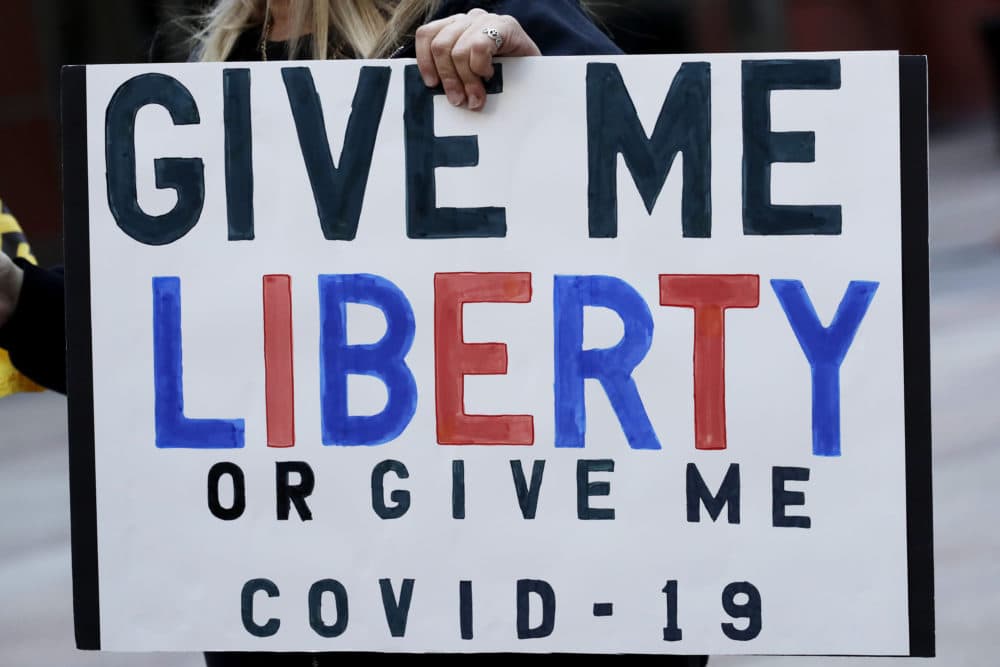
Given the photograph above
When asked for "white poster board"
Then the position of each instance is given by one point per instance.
(638, 475)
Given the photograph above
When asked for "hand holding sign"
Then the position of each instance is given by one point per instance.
(457, 52)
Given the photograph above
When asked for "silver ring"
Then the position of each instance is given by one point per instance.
(495, 35)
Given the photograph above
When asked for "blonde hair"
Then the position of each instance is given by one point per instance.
(367, 28)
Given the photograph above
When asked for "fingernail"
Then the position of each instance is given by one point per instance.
(456, 98)
(429, 81)
(475, 101)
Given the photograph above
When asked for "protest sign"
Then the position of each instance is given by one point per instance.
(635, 361)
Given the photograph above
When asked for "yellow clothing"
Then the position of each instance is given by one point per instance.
(13, 243)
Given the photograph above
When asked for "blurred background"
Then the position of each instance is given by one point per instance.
(962, 41)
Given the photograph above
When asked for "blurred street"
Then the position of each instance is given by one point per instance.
(36, 617)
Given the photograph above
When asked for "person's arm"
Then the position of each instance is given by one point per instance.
(32, 325)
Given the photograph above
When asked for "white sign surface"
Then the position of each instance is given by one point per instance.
(639, 475)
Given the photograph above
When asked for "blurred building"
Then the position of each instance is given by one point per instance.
(952, 34)
(38, 36)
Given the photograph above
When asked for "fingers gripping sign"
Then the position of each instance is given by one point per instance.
(457, 52)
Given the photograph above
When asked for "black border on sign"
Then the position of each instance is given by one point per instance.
(916, 359)
(79, 359)
(917, 351)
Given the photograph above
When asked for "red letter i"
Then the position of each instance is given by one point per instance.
(278, 371)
